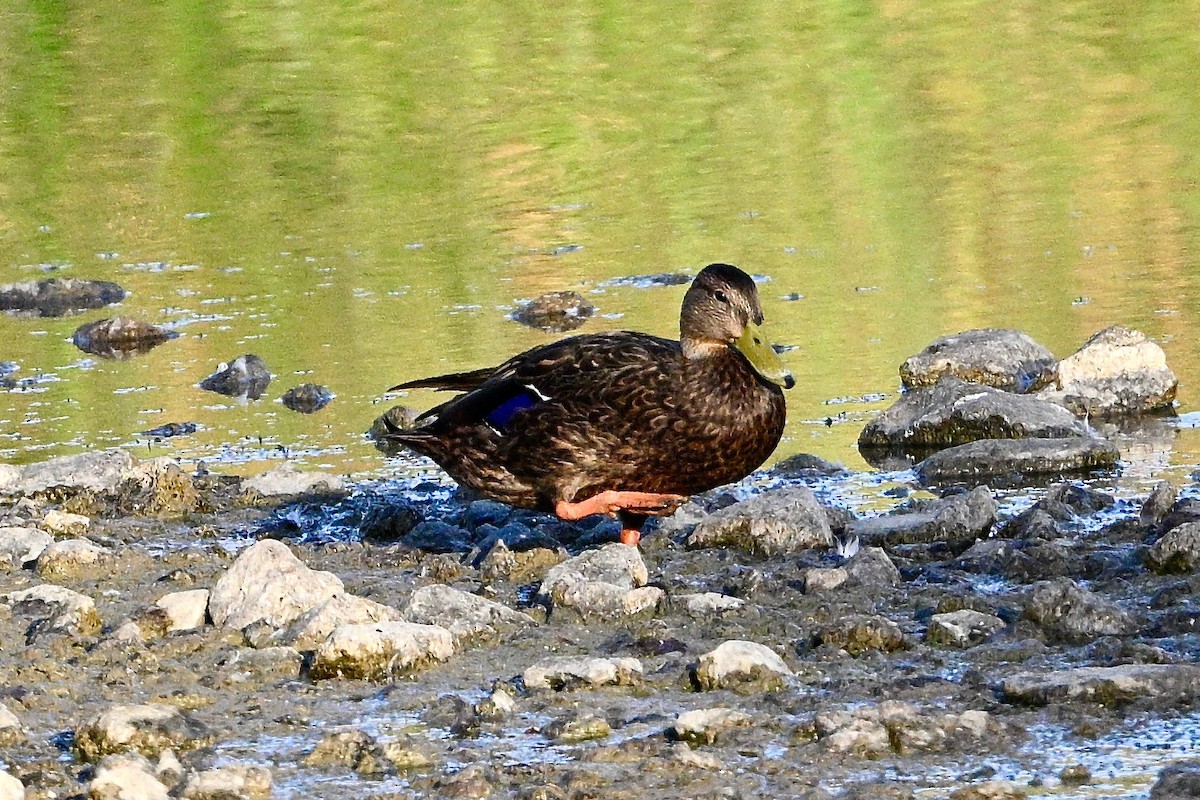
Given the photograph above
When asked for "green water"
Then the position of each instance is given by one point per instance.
(360, 192)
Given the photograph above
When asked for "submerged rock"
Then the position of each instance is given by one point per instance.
(555, 312)
(247, 376)
(267, 582)
(172, 429)
(148, 729)
(1118, 371)
(1004, 358)
(307, 398)
(989, 458)
(775, 522)
(55, 297)
(380, 651)
(120, 337)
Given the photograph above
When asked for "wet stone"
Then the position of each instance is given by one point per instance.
(739, 664)
(990, 790)
(287, 480)
(223, 783)
(824, 579)
(55, 297)
(1117, 371)
(957, 520)
(435, 536)
(555, 312)
(1070, 613)
(380, 651)
(860, 633)
(560, 673)
(307, 398)
(120, 337)
(172, 429)
(267, 582)
(147, 729)
(1180, 781)
(1158, 504)
(705, 725)
(574, 728)
(1003, 358)
(963, 628)
(396, 418)
(988, 458)
(1169, 683)
(1178, 551)
(775, 522)
(872, 567)
(388, 522)
(467, 616)
(247, 376)
(97, 470)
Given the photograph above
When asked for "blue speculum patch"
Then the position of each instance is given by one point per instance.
(502, 415)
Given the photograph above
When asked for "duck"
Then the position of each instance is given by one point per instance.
(624, 424)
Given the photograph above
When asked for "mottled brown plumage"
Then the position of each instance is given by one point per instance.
(621, 411)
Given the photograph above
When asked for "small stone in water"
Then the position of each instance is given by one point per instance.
(307, 398)
(247, 376)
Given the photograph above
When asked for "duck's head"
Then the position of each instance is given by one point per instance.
(721, 310)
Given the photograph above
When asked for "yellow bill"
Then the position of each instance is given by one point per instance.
(762, 357)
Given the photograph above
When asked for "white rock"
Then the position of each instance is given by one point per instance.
(607, 582)
(380, 650)
(467, 616)
(704, 725)
(97, 470)
(267, 582)
(223, 783)
(568, 672)
(70, 557)
(186, 609)
(61, 523)
(737, 661)
(709, 603)
(68, 611)
(1117, 371)
(10, 787)
(314, 626)
(287, 480)
(10, 727)
(126, 776)
(147, 728)
(20, 546)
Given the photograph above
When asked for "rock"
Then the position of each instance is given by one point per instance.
(775, 522)
(824, 579)
(740, 664)
(650, 280)
(21, 546)
(159, 488)
(55, 297)
(990, 790)
(962, 628)
(708, 604)
(957, 520)
(872, 567)
(70, 558)
(579, 727)
(185, 610)
(396, 418)
(236, 782)
(56, 609)
(1179, 781)
(247, 377)
(120, 337)
(806, 465)
(705, 725)
(147, 729)
(466, 616)
(436, 536)
(268, 583)
(388, 522)
(953, 412)
(1118, 371)
(860, 633)
(606, 582)
(307, 398)
(1004, 358)
(62, 523)
(341, 749)
(171, 429)
(560, 673)
(314, 626)
(286, 480)
(1171, 683)
(97, 470)
(843, 732)
(1071, 614)
(555, 312)
(1075, 775)
(1158, 504)
(10, 727)
(10, 787)
(895, 726)
(380, 651)
(1178, 551)
(126, 776)
(988, 458)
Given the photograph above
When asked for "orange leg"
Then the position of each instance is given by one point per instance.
(612, 502)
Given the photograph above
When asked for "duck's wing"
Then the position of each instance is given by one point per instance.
(452, 382)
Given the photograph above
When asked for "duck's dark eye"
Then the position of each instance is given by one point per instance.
(721, 296)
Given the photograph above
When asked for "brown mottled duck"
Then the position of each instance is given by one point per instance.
(622, 423)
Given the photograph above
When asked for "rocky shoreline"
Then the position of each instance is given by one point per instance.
(170, 634)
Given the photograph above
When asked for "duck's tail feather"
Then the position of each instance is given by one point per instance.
(453, 382)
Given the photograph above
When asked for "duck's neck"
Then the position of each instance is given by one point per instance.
(703, 348)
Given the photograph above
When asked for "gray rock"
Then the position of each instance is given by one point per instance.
(824, 579)
(779, 521)
(126, 776)
(708, 604)
(312, 627)
(286, 480)
(247, 376)
(56, 609)
(185, 610)
(1118, 371)
(380, 651)
(962, 628)
(987, 458)
(307, 398)
(1180, 781)
(227, 783)
(467, 616)
(96, 470)
(1004, 358)
(1072, 614)
(21, 546)
(70, 558)
(10, 787)
(705, 725)
(120, 337)
(54, 297)
(872, 567)
(957, 520)
(742, 665)
(573, 672)
(1173, 683)
(147, 729)
(895, 726)
(268, 583)
(555, 312)
(1178, 551)
(580, 726)
(990, 790)
(1158, 504)
(954, 412)
(860, 633)
(606, 582)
